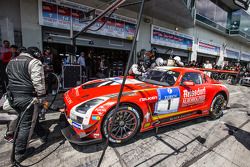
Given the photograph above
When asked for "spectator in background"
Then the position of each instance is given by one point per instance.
(89, 65)
(214, 65)
(208, 65)
(81, 62)
(5, 56)
(56, 62)
(193, 63)
(14, 52)
(48, 67)
(103, 68)
(47, 60)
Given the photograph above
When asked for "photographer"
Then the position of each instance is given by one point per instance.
(26, 81)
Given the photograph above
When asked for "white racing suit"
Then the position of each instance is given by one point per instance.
(137, 70)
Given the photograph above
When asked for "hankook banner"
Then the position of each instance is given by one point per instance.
(58, 14)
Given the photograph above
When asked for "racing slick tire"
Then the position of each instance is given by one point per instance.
(217, 106)
(126, 125)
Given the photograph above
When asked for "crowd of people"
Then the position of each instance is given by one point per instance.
(213, 65)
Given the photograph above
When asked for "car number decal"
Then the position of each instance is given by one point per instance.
(168, 100)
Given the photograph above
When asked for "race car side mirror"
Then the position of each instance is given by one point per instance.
(188, 83)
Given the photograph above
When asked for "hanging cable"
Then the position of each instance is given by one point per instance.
(123, 81)
(106, 19)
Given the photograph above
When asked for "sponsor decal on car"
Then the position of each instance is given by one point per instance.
(177, 117)
(168, 100)
(193, 97)
(68, 98)
(148, 98)
(96, 118)
(96, 135)
(100, 109)
(77, 125)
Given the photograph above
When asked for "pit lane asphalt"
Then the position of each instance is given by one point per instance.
(224, 142)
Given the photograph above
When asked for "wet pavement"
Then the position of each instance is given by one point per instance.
(224, 142)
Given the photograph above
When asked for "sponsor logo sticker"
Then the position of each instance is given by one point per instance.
(68, 98)
(76, 125)
(148, 98)
(96, 117)
(193, 97)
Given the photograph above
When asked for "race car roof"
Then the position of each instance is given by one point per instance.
(177, 69)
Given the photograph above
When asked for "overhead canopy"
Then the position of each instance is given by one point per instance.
(172, 11)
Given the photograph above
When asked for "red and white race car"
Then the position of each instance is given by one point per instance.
(165, 95)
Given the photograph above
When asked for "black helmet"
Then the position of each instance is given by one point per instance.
(35, 52)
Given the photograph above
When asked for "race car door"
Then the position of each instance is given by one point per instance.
(192, 96)
(168, 100)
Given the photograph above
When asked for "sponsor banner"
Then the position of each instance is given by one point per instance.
(245, 56)
(168, 100)
(210, 49)
(58, 14)
(169, 38)
(193, 97)
(233, 54)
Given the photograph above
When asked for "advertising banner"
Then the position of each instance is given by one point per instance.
(232, 54)
(59, 13)
(165, 37)
(245, 56)
(208, 48)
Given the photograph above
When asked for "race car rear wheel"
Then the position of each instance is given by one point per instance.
(217, 106)
(126, 124)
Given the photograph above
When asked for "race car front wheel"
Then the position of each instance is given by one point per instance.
(217, 106)
(126, 124)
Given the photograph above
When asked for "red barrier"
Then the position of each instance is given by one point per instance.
(218, 71)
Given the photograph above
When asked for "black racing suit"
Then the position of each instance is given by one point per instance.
(26, 81)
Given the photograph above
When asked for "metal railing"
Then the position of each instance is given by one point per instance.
(211, 23)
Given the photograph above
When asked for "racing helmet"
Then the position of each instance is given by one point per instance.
(34, 52)
(177, 58)
(159, 61)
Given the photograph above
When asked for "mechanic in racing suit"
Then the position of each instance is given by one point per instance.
(26, 81)
(139, 68)
(178, 62)
(158, 62)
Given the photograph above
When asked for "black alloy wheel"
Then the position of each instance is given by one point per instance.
(126, 124)
(217, 106)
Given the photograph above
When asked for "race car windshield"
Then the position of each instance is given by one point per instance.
(157, 77)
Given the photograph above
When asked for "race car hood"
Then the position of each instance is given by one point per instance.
(109, 87)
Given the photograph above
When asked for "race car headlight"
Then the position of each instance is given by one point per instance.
(83, 108)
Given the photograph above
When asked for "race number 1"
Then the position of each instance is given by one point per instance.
(168, 100)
